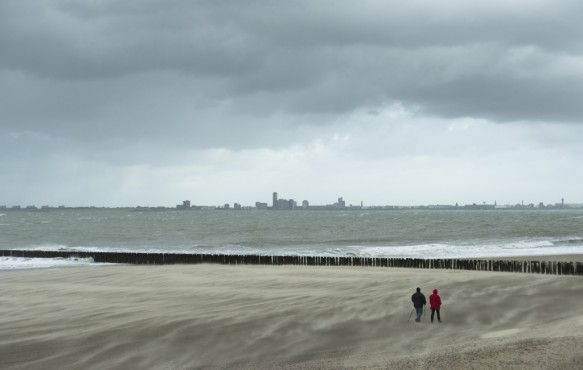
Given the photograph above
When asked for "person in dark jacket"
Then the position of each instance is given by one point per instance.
(419, 301)
(435, 303)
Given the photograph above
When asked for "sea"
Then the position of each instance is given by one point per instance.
(409, 233)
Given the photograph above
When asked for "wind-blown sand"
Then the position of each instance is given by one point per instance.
(215, 316)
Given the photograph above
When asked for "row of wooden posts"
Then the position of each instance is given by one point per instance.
(526, 266)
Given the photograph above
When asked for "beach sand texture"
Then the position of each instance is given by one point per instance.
(291, 317)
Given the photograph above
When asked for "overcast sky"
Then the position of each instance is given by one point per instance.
(151, 102)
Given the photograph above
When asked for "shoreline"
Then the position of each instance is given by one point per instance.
(161, 258)
(285, 317)
(557, 264)
(570, 257)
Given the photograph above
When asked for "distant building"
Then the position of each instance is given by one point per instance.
(185, 205)
(286, 204)
(260, 205)
(236, 206)
(282, 204)
(290, 204)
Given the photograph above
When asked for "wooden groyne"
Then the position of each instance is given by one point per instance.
(527, 266)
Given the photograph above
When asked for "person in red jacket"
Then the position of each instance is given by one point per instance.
(435, 302)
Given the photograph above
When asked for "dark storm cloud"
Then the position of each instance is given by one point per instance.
(211, 72)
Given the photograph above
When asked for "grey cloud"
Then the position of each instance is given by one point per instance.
(55, 42)
(213, 73)
(229, 39)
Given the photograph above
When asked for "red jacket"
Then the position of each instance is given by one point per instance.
(435, 300)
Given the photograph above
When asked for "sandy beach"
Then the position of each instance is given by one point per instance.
(289, 317)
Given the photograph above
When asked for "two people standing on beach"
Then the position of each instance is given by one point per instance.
(419, 302)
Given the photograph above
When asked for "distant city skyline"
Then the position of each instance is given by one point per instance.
(278, 203)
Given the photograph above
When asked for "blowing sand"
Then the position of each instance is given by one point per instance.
(214, 316)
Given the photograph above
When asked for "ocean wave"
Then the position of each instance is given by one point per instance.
(431, 250)
(19, 263)
(454, 249)
(569, 241)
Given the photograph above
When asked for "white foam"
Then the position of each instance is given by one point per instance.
(15, 263)
(464, 251)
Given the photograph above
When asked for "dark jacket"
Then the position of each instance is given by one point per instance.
(418, 299)
(435, 300)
